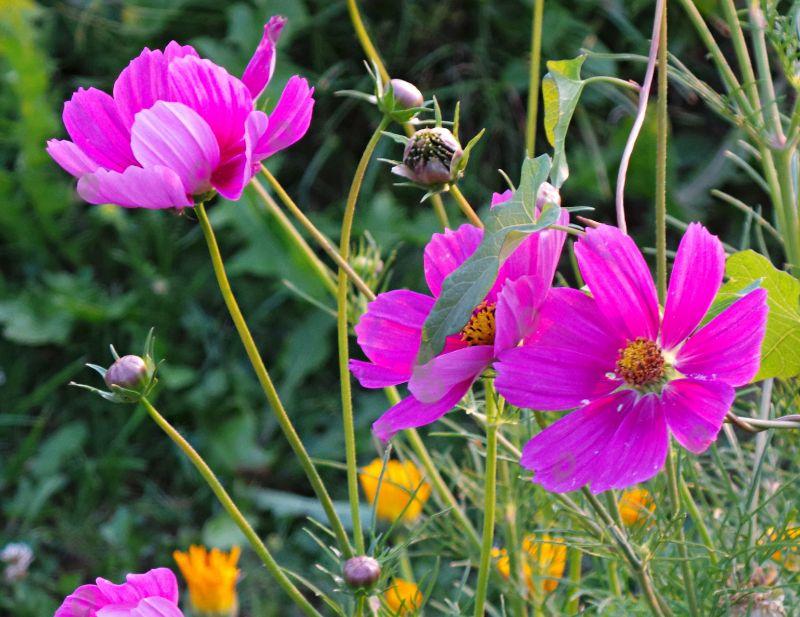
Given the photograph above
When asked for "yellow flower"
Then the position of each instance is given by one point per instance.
(790, 560)
(403, 597)
(211, 577)
(635, 506)
(397, 489)
(543, 564)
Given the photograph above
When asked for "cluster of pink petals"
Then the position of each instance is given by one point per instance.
(152, 594)
(179, 126)
(619, 435)
(390, 331)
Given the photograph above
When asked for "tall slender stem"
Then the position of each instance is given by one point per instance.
(644, 95)
(267, 386)
(661, 164)
(465, 207)
(489, 501)
(699, 521)
(363, 38)
(533, 78)
(315, 233)
(574, 602)
(233, 511)
(678, 515)
(323, 273)
(343, 334)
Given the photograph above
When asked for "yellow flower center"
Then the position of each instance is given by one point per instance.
(640, 363)
(480, 327)
(211, 577)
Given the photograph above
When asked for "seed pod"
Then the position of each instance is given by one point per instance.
(129, 372)
(430, 157)
(361, 572)
(406, 93)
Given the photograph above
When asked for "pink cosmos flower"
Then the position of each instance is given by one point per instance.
(636, 376)
(152, 594)
(390, 331)
(178, 126)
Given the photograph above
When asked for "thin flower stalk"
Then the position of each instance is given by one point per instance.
(490, 500)
(233, 511)
(465, 207)
(343, 335)
(267, 386)
(533, 78)
(644, 95)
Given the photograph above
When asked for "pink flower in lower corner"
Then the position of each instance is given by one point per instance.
(152, 594)
(178, 126)
(390, 331)
(634, 376)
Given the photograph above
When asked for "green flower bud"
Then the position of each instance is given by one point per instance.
(406, 93)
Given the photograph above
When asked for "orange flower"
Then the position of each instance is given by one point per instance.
(211, 577)
(788, 557)
(635, 506)
(403, 597)
(543, 565)
(402, 490)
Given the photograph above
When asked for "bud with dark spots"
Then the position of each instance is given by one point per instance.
(431, 157)
(406, 93)
(361, 572)
(129, 372)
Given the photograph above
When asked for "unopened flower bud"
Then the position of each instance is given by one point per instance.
(547, 194)
(361, 572)
(128, 372)
(406, 93)
(431, 157)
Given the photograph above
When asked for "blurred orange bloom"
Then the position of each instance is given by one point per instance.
(397, 496)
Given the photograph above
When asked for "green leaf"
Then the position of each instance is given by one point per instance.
(506, 228)
(780, 352)
(561, 89)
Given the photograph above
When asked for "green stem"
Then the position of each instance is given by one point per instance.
(742, 57)
(266, 383)
(699, 521)
(533, 78)
(233, 511)
(661, 165)
(323, 273)
(441, 213)
(613, 578)
(574, 603)
(614, 81)
(343, 334)
(516, 572)
(465, 207)
(363, 38)
(772, 115)
(677, 514)
(325, 244)
(490, 499)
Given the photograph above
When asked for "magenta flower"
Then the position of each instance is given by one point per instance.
(153, 594)
(634, 375)
(390, 331)
(177, 127)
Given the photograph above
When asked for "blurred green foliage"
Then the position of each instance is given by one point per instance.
(94, 488)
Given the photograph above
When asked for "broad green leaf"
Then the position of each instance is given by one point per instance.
(780, 353)
(561, 89)
(506, 227)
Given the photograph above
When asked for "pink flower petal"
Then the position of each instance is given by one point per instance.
(175, 136)
(145, 80)
(565, 363)
(222, 100)
(695, 411)
(70, 157)
(728, 348)
(613, 442)
(82, 602)
(431, 381)
(517, 310)
(501, 198)
(447, 251)
(155, 187)
(410, 413)
(390, 331)
(290, 119)
(620, 282)
(231, 177)
(156, 607)
(259, 70)
(160, 582)
(371, 375)
(97, 129)
(695, 280)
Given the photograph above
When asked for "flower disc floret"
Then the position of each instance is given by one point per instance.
(481, 325)
(641, 364)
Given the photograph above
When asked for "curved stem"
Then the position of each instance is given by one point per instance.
(614, 81)
(644, 95)
(318, 236)
(533, 78)
(363, 38)
(233, 511)
(441, 213)
(266, 383)
(465, 207)
(490, 498)
(342, 336)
